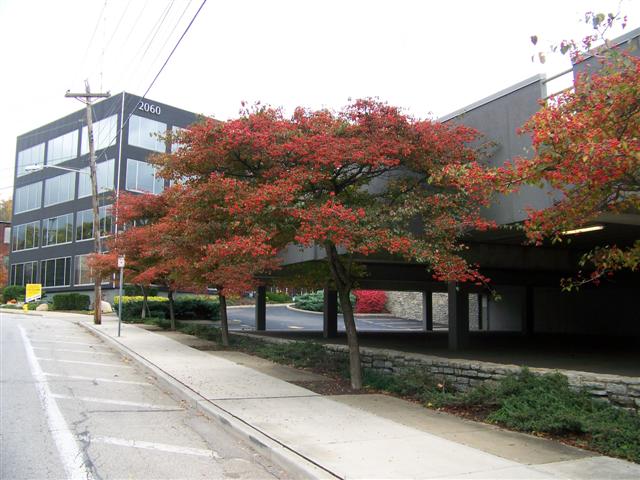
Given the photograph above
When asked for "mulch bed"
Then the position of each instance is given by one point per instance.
(330, 386)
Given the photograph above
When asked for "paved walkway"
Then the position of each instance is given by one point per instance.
(348, 436)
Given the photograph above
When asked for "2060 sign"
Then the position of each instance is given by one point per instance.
(149, 108)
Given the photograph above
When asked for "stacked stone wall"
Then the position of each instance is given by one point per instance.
(461, 375)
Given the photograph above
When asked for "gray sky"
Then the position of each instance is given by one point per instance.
(429, 57)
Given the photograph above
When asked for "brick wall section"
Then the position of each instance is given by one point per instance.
(461, 375)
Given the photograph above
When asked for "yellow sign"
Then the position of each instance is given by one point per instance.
(33, 292)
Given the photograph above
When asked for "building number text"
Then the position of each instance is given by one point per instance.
(147, 107)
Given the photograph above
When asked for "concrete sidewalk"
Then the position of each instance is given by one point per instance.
(346, 436)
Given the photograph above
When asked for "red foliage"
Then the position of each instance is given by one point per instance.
(370, 301)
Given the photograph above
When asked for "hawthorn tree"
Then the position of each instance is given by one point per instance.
(148, 247)
(365, 180)
(587, 146)
(220, 248)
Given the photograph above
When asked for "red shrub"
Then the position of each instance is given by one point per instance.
(370, 301)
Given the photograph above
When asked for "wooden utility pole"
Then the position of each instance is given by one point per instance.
(87, 99)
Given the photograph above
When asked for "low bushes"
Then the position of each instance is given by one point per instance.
(13, 292)
(185, 308)
(71, 301)
(370, 301)
(314, 301)
(529, 403)
(133, 290)
(278, 297)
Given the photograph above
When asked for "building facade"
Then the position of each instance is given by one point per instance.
(52, 215)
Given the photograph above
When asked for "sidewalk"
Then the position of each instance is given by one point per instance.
(346, 436)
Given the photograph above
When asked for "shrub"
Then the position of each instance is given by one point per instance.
(13, 292)
(278, 297)
(370, 301)
(310, 301)
(71, 301)
(546, 403)
(138, 298)
(130, 290)
(185, 308)
(314, 301)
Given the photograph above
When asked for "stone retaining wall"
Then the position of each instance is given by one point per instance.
(461, 375)
(409, 305)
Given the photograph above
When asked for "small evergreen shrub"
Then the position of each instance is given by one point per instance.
(138, 298)
(185, 308)
(278, 297)
(314, 301)
(370, 301)
(131, 290)
(13, 292)
(71, 301)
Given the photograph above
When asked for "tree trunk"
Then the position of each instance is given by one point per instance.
(145, 305)
(224, 324)
(343, 286)
(172, 315)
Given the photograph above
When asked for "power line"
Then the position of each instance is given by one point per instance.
(124, 123)
(95, 29)
(171, 32)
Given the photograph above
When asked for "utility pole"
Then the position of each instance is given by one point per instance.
(87, 99)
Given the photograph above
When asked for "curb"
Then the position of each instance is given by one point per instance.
(292, 461)
(230, 307)
(356, 315)
(19, 311)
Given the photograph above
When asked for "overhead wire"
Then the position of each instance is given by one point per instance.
(173, 50)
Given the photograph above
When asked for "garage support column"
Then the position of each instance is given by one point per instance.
(528, 323)
(261, 308)
(330, 313)
(458, 316)
(427, 311)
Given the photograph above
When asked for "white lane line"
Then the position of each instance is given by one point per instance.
(70, 454)
(122, 403)
(161, 447)
(74, 351)
(70, 343)
(96, 379)
(97, 364)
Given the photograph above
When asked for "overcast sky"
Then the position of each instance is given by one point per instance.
(429, 57)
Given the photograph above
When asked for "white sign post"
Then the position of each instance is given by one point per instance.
(121, 267)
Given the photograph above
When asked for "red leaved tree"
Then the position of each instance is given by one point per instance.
(217, 245)
(362, 181)
(587, 147)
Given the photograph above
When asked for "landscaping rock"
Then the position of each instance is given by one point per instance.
(106, 307)
(42, 307)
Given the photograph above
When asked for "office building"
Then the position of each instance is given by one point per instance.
(52, 213)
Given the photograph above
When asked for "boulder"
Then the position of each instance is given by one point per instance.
(42, 307)
(106, 307)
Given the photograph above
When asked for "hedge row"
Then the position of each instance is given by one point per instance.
(185, 308)
(71, 301)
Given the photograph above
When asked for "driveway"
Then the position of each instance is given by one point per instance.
(282, 318)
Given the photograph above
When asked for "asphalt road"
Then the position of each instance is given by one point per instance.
(281, 318)
(70, 407)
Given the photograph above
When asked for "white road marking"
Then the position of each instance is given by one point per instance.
(295, 327)
(70, 343)
(70, 454)
(75, 351)
(122, 403)
(97, 364)
(162, 447)
(97, 379)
